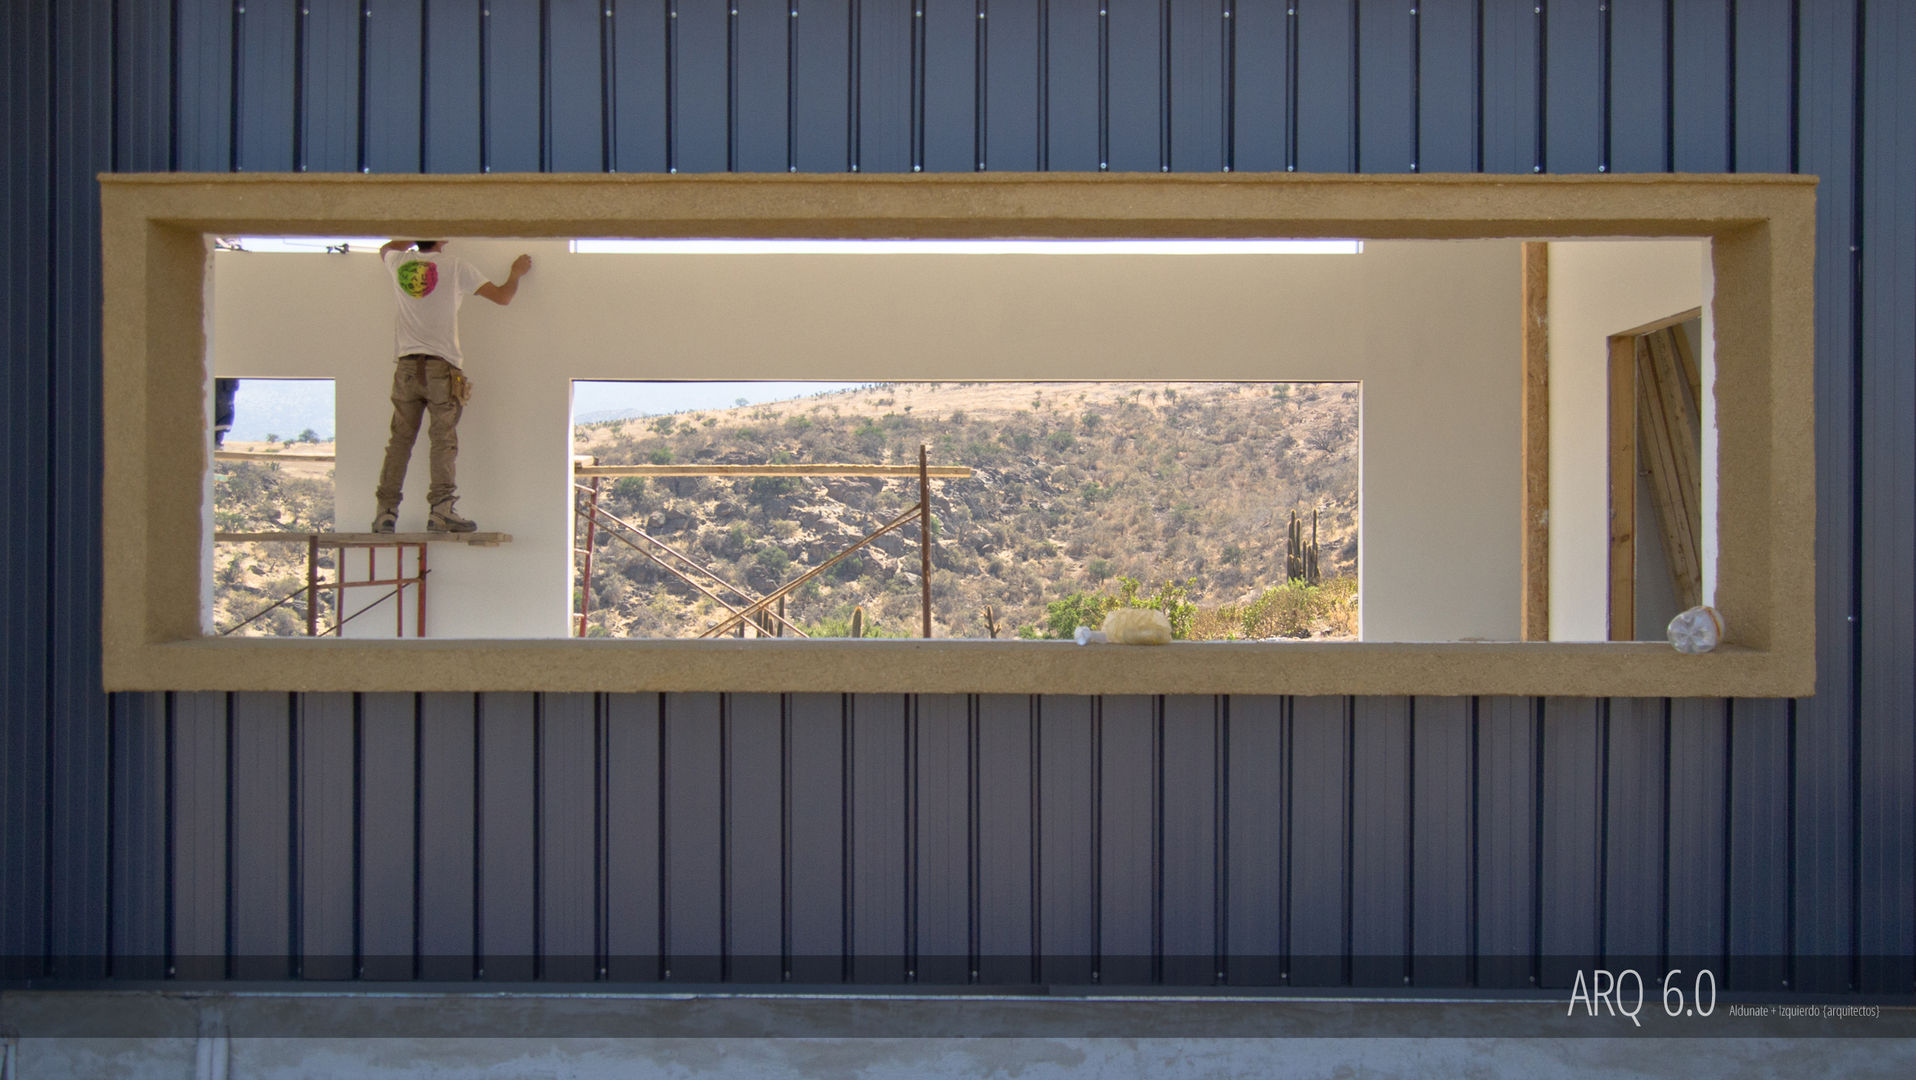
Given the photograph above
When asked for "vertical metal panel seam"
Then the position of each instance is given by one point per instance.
(538, 836)
(173, 102)
(1043, 131)
(235, 83)
(425, 80)
(1286, 767)
(980, 98)
(1034, 793)
(1157, 810)
(1290, 165)
(485, 54)
(418, 831)
(295, 871)
(1416, 89)
(910, 719)
(359, 834)
(1669, 87)
(852, 94)
(1220, 836)
(113, 839)
(725, 828)
(1789, 915)
(973, 873)
(1097, 839)
(1350, 797)
(1663, 893)
(1538, 707)
(1164, 157)
(608, 144)
(1227, 87)
(300, 119)
(1729, 82)
(665, 846)
(1410, 816)
(791, 89)
(478, 837)
(545, 85)
(1542, 94)
(1477, 131)
(1729, 834)
(1473, 877)
(785, 837)
(1605, 88)
(1356, 150)
(1604, 706)
(360, 161)
(918, 87)
(601, 836)
(1104, 109)
(1796, 85)
(170, 800)
(846, 790)
(1858, 239)
(49, 689)
(228, 930)
(731, 159)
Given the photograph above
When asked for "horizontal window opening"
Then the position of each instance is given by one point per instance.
(300, 245)
(1232, 508)
(965, 247)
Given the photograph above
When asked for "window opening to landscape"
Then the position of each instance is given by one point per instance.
(1231, 506)
(273, 443)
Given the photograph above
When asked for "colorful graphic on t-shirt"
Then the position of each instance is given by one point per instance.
(418, 277)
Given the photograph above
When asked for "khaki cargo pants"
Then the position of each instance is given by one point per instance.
(429, 385)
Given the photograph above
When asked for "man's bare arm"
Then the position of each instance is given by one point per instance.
(393, 245)
(503, 294)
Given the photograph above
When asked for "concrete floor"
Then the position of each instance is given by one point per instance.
(176, 1036)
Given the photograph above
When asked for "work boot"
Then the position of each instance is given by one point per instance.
(385, 521)
(445, 519)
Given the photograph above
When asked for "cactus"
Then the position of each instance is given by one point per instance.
(1300, 559)
(858, 621)
(991, 621)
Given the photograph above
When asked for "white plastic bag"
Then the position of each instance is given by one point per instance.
(1697, 630)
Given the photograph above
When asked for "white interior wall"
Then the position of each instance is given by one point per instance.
(1600, 288)
(1430, 328)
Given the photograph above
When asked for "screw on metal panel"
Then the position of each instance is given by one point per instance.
(1536, 168)
(917, 168)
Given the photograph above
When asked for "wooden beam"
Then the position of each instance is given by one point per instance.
(1535, 617)
(1668, 424)
(1623, 487)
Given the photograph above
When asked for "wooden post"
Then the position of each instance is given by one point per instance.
(1534, 622)
(312, 585)
(422, 591)
(924, 536)
(1623, 487)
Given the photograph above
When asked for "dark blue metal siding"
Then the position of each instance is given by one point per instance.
(1318, 842)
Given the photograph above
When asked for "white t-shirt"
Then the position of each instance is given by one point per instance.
(429, 287)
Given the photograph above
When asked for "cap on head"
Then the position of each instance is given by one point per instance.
(429, 245)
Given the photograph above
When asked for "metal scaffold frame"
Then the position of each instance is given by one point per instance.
(765, 613)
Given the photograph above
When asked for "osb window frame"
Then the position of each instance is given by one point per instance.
(154, 232)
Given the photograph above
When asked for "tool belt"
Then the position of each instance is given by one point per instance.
(456, 380)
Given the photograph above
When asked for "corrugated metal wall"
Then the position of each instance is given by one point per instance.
(1370, 842)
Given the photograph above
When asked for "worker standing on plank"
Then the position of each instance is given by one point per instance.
(428, 286)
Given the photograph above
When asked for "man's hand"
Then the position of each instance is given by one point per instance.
(503, 294)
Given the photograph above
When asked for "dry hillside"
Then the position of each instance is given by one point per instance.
(1187, 488)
